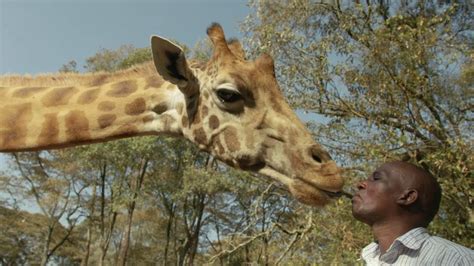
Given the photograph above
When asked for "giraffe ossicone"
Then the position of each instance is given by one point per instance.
(230, 107)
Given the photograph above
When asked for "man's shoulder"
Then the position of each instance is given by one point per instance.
(449, 249)
(443, 242)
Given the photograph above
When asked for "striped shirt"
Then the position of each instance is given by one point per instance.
(417, 247)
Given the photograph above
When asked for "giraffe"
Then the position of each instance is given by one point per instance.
(230, 107)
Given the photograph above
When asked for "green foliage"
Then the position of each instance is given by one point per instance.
(202, 51)
(391, 81)
(108, 60)
(137, 56)
(71, 66)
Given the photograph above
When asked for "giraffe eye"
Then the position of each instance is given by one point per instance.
(228, 96)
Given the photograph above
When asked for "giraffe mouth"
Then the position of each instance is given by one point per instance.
(288, 181)
(330, 194)
(338, 194)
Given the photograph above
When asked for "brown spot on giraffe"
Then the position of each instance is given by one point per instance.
(148, 118)
(231, 140)
(204, 112)
(160, 108)
(185, 121)
(27, 92)
(213, 122)
(18, 115)
(58, 96)
(106, 120)
(77, 126)
(50, 130)
(15, 124)
(136, 107)
(200, 136)
(88, 96)
(153, 82)
(123, 88)
(106, 106)
(205, 94)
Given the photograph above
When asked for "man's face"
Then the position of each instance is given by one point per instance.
(376, 198)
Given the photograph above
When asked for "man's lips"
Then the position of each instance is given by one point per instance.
(356, 197)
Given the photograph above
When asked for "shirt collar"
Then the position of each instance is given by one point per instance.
(370, 250)
(412, 239)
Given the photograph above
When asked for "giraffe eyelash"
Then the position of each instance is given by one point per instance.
(229, 98)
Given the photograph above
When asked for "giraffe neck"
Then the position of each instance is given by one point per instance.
(42, 117)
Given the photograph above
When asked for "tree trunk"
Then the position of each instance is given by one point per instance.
(189, 247)
(168, 234)
(85, 260)
(105, 233)
(136, 186)
(122, 260)
(45, 254)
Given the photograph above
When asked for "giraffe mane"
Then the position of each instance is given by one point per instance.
(77, 79)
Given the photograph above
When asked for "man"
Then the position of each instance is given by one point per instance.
(398, 201)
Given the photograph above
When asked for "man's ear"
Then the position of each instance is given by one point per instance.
(408, 197)
(170, 61)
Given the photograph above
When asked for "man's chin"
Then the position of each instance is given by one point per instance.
(357, 213)
(361, 216)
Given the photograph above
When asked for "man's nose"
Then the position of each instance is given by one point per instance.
(361, 185)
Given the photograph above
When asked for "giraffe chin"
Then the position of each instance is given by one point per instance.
(308, 194)
(304, 192)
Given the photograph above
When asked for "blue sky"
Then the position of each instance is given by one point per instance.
(38, 36)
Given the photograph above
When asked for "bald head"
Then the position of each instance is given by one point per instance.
(412, 177)
(397, 191)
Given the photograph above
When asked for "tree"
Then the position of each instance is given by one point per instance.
(56, 191)
(108, 60)
(386, 81)
(71, 66)
(20, 237)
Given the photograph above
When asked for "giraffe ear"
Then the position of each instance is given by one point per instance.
(170, 61)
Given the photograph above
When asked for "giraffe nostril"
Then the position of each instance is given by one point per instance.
(317, 158)
(319, 155)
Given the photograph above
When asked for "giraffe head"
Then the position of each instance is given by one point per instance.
(236, 111)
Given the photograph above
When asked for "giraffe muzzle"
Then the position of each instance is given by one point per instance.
(308, 191)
